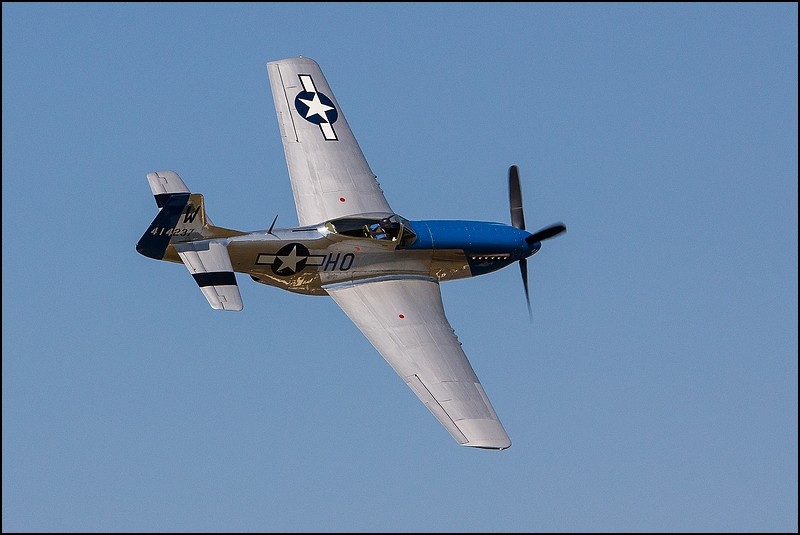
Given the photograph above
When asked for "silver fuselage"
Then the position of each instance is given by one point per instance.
(305, 260)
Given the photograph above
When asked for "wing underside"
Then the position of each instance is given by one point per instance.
(404, 319)
(329, 174)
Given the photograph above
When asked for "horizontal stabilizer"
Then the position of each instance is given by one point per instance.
(165, 183)
(210, 265)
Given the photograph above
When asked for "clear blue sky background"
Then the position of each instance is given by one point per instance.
(654, 390)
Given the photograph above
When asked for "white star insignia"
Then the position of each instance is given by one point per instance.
(289, 261)
(316, 107)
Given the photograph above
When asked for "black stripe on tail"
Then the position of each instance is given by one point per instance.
(155, 240)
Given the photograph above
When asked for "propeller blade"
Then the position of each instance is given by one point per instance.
(546, 233)
(518, 221)
(515, 198)
(523, 269)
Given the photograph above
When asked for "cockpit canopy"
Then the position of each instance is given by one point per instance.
(383, 227)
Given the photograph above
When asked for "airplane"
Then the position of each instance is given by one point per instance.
(382, 269)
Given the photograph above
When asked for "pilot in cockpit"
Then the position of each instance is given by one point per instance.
(392, 228)
(385, 229)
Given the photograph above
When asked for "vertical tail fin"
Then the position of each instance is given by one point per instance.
(181, 218)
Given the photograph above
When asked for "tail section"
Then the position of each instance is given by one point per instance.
(181, 218)
(181, 232)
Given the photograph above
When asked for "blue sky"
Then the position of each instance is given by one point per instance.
(655, 388)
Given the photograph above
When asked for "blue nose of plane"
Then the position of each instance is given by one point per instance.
(530, 248)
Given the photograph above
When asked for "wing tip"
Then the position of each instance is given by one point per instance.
(498, 446)
(292, 59)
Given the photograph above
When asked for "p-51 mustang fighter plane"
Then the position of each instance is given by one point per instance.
(381, 269)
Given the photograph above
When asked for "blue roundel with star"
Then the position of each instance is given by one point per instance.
(315, 107)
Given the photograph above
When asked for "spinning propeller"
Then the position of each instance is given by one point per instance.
(518, 221)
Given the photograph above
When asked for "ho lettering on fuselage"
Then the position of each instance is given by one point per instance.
(295, 257)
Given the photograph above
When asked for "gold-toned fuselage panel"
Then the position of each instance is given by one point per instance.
(305, 266)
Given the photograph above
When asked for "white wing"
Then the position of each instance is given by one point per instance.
(404, 319)
(330, 176)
